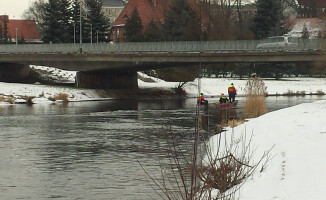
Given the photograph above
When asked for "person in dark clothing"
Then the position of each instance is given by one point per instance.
(223, 99)
(232, 92)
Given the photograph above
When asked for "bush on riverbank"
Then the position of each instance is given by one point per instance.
(217, 169)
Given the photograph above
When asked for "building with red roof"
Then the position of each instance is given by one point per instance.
(148, 10)
(25, 29)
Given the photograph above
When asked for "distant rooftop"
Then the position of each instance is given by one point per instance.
(113, 3)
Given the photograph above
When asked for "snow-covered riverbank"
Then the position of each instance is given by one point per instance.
(216, 86)
(211, 87)
(297, 168)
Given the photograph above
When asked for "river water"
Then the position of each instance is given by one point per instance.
(92, 150)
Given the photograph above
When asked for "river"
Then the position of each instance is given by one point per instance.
(90, 150)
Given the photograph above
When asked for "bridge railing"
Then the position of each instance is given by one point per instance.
(158, 47)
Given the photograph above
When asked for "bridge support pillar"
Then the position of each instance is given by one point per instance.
(107, 79)
(14, 73)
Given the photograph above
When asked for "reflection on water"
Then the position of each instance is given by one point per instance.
(89, 150)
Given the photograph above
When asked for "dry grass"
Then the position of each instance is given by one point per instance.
(10, 100)
(255, 98)
(292, 93)
(2, 99)
(233, 123)
(60, 96)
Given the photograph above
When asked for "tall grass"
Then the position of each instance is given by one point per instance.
(255, 98)
(60, 96)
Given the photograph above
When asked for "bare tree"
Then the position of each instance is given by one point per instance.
(36, 12)
(225, 18)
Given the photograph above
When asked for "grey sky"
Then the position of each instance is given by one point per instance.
(14, 8)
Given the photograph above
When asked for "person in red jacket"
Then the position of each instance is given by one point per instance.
(202, 100)
(232, 92)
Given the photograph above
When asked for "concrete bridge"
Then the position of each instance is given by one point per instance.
(115, 65)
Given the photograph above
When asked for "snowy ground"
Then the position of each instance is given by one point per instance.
(297, 170)
(215, 86)
(211, 87)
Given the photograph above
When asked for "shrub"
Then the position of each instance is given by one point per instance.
(225, 168)
(320, 92)
(60, 96)
(28, 99)
(42, 94)
(255, 98)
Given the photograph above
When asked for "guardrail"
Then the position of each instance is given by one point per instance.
(159, 47)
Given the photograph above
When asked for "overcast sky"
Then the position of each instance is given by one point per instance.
(14, 8)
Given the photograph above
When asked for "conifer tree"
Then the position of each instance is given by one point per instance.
(187, 25)
(98, 23)
(1, 36)
(134, 28)
(5, 32)
(79, 19)
(52, 22)
(65, 19)
(266, 18)
(75, 21)
(153, 32)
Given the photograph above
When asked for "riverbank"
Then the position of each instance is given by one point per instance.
(149, 87)
(297, 137)
(213, 87)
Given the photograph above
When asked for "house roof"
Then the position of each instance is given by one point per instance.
(149, 10)
(313, 25)
(25, 29)
(113, 3)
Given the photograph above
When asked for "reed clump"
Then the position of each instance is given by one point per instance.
(60, 96)
(8, 99)
(2, 99)
(255, 98)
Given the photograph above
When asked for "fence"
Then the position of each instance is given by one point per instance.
(159, 47)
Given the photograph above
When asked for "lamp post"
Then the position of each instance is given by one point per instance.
(97, 37)
(16, 36)
(80, 25)
(74, 33)
(91, 33)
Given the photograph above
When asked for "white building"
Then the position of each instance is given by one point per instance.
(113, 8)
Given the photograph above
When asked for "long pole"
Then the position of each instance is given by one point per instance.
(16, 36)
(74, 33)
(96, 37)
(80, 25)
(91, 34)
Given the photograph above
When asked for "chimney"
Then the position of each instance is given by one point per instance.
(4, 18)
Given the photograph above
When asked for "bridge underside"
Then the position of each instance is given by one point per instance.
(107, 79)
(14, 73)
